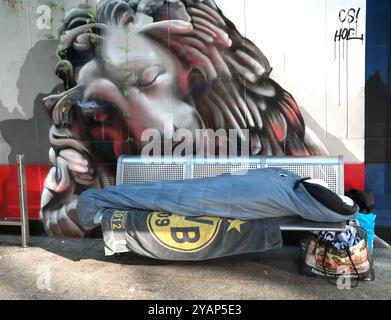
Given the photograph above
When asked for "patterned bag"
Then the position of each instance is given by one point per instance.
(333, 255)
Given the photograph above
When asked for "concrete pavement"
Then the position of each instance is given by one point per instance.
(77, 269)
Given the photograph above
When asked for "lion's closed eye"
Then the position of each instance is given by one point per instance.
(150, 75)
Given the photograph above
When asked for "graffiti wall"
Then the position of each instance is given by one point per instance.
(83, 82)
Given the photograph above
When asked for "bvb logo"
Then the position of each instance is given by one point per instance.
(183, 234)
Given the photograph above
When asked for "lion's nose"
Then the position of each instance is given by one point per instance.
(94, 111)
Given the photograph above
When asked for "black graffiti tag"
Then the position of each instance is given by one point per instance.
(350, 16)
(348, 31)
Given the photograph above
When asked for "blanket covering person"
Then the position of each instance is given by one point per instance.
(191, 220)
(253, 195)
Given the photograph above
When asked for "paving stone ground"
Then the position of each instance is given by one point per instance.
(77, 269)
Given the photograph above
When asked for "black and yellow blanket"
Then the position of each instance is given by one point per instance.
(166, 236)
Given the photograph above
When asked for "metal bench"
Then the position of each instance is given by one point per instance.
(330, 169)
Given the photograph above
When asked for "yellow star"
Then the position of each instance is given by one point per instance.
(235, 224)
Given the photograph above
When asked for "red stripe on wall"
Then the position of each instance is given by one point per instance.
(355, 176)
(36, 174)
(9, 192)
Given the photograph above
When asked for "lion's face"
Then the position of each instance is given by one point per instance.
(134, 85)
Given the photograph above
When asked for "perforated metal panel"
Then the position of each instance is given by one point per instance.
(138, 173)
(326, 173)
(134, 170)
(212, 170)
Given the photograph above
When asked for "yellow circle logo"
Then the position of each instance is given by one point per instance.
(183, 234)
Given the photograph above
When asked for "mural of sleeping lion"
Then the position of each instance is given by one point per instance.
(133, 65)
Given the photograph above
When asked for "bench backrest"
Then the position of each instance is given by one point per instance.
(136, 169)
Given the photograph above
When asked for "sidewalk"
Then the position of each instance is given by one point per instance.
(78, 269)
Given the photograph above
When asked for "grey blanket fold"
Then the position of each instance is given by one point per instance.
(254, 195)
